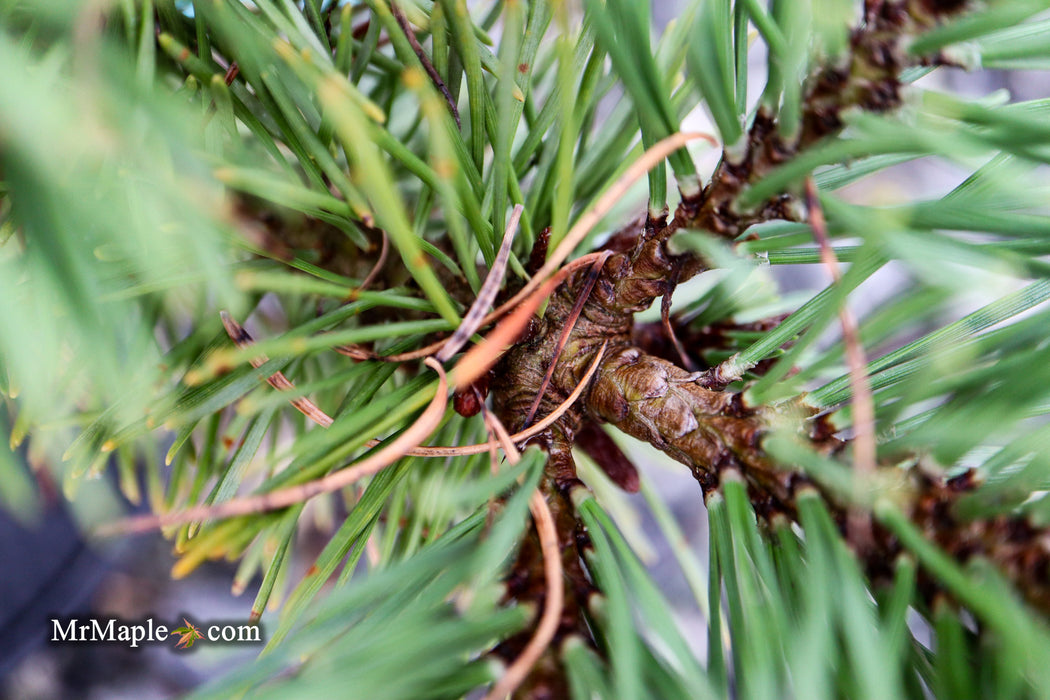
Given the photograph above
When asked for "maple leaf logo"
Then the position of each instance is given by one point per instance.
(187, 635)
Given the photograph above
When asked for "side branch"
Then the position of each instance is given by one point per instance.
(868, 79)
(715, 433)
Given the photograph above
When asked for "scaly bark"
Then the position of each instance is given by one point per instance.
(689, 415)
(527, 584)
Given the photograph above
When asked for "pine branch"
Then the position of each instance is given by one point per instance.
(689, 415)
(361, 208)
(870, 80)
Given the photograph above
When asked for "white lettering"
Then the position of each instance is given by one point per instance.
(113, 630)
(100, 633)
(138, 633)
(249, 633)
(69, 634)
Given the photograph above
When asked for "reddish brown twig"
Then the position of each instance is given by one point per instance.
(554, 600)
(522, 435)
(273, 500)
(308, 408)
(863, 404)
(359, 353)
(480, 358)
(277, 380)
(428, 66)
(384, 249)
(665, 320)
(570, 322)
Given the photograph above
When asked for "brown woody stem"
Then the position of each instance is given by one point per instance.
(689, 415)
